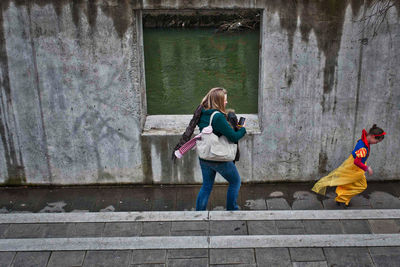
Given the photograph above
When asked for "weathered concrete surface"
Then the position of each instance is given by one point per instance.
(71, 107)
(73, 103)
(313, 114)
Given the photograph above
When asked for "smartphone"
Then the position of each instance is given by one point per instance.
(241, 121)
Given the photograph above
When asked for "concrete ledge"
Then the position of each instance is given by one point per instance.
(191, 242)
(304, 215)
(233, 4)
(103, 243)
(161, 125)
(151, 216)
(165, 216)
(288, 241)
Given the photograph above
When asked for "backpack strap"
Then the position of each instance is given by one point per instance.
(212, 116)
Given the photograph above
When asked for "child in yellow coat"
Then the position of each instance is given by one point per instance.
(349, 178)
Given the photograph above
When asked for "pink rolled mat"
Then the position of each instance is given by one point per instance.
(187, 146)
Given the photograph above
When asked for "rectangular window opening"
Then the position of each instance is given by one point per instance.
(188, 52)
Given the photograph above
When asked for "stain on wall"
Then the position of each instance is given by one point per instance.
(158, 149)
(325, 18)
(92, 12)
(121, 14)
(146, 160)
(120, 11)
(12, 154)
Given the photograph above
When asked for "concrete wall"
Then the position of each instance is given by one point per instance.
(73, 106)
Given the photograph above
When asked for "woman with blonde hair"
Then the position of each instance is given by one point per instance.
(216, 100)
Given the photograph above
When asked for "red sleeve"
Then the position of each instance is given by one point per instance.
(359, 164)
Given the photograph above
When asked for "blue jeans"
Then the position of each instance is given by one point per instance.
(227, 170)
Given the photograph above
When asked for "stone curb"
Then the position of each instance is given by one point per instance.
(17, 218)
(198, 242)
(304, 215)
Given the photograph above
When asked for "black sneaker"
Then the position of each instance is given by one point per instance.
(342, 205)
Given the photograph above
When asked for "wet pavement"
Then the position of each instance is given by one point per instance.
(279, 225)
(283, 196)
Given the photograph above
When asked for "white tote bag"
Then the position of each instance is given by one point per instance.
(214, 148)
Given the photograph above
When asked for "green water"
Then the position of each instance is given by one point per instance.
(183, 64)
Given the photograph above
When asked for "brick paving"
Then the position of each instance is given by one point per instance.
(367, 256)
(194, 228)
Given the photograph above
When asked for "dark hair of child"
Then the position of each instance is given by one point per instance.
(375, 130)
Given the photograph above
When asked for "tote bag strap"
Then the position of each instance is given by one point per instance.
(212, 116)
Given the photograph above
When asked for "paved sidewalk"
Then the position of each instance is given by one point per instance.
(279, 225)
(216, 238)
(283, 196)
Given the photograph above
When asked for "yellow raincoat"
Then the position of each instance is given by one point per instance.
(348, 178)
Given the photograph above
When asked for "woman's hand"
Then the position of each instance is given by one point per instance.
(241, 126)
(369, 170)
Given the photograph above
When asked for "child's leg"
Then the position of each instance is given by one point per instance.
(346, 192)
